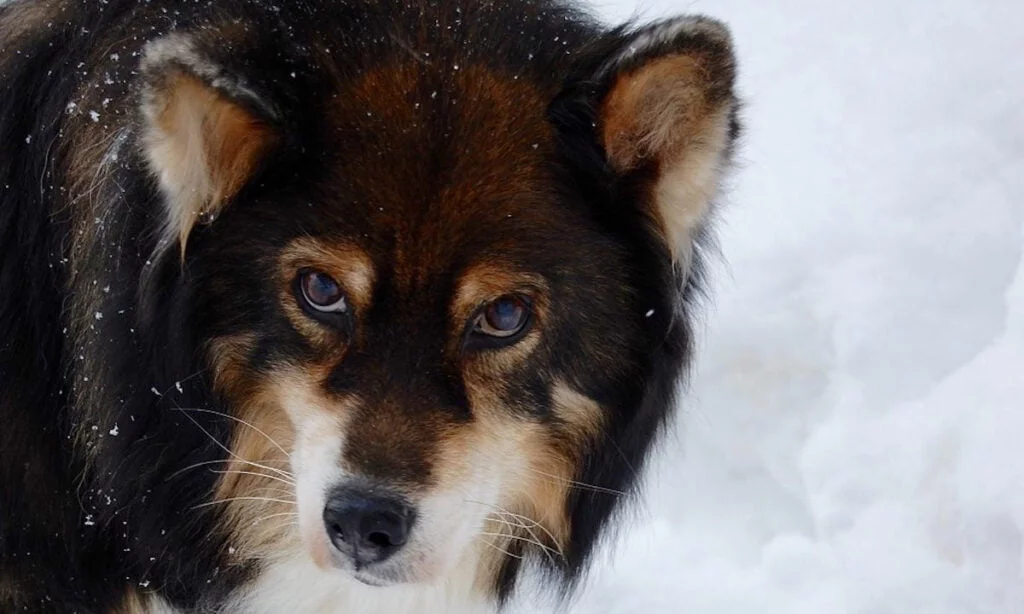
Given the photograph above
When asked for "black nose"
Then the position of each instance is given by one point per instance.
(367, 525)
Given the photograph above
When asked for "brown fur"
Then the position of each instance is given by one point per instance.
(228, 432)
(495, 179)
(489, 179)
(27, 18)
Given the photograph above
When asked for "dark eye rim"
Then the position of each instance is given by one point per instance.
(478, 340)
(336, 319)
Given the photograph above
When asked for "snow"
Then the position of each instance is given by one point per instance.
(851, 442)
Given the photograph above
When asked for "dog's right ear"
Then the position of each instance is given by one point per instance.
(204, 133)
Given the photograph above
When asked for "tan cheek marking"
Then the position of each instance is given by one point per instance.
(227, 356)
(583, 418)
(262, 437)
(257, 481)
(271, 415)
(534, 467)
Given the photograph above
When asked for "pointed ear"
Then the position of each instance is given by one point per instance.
(204, 134)
(665, 105)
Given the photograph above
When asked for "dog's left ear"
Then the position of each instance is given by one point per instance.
(660, 102)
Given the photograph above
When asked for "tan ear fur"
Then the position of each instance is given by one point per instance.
(202, 146)
(673, 111)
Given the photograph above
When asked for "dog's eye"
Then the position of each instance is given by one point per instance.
(321, 292)
(504, 318)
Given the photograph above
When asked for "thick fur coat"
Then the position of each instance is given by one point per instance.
(338, 306)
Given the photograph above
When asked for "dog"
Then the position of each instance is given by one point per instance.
(331, 306)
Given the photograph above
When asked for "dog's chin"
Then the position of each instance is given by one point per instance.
(391, 573)
(370, 579)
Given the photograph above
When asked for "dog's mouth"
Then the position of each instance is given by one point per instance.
(369, 578)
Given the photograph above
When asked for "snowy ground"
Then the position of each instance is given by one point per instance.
(854, 439)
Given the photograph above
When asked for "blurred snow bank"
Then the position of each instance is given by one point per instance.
(854, 439)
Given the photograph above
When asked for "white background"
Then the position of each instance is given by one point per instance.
(853, 441)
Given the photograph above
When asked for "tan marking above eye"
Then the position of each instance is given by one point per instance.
(484, 283)
(345, 262)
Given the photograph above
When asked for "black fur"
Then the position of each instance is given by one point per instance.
(93, 498)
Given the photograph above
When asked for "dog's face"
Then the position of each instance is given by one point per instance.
(421, 336)
(431, 333)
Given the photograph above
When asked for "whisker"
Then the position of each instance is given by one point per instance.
(219, 460)
(290, 523)
(511, 531)
(580, 485)
(230, 499)
(228, 450)
(526, 523)
(536, 540)
(502, 520)
(501, 550)
(547, 550)
(273, 492)
(237, 419)
(256, 473)
(279, 514)
(523, 519)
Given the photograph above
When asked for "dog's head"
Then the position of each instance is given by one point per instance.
(440, 294)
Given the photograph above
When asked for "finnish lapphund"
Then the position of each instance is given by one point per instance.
(342, 306)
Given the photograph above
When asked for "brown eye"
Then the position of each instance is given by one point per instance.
(321, 292)
(503, 318)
